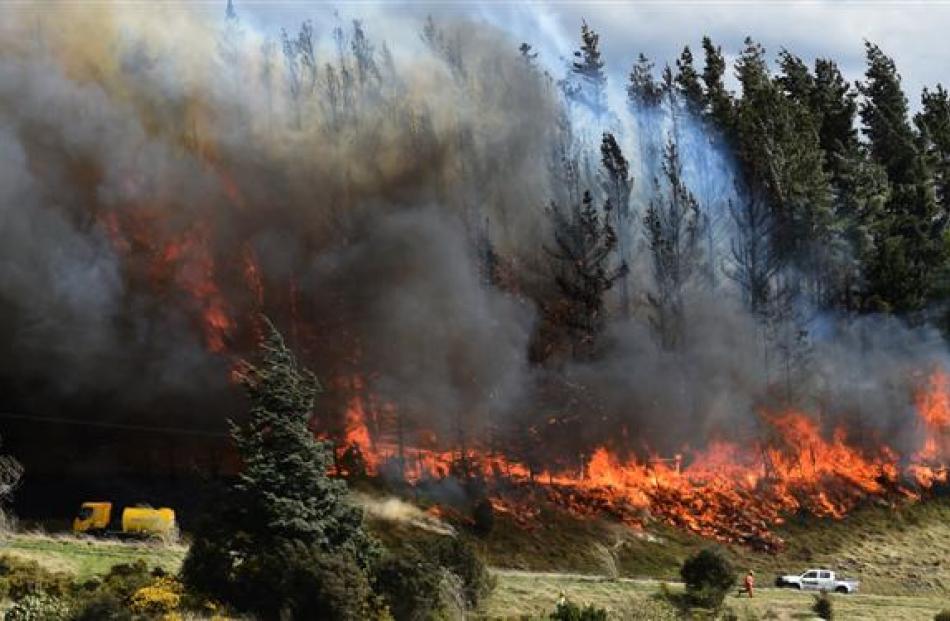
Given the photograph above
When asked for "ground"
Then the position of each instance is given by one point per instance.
(900, 554)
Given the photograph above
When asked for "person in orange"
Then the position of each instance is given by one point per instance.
(749, 582)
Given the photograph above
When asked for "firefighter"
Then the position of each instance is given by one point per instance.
(749, 582)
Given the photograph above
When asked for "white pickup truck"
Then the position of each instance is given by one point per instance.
(817, 580)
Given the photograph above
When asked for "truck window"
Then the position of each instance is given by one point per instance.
(85, 513)
(825, 575)
(810, 574)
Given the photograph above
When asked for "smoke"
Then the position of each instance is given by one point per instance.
(392, 509)
(355, 181)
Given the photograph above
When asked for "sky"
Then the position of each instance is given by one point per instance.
(913, 32)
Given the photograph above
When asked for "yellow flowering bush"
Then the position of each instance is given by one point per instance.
(158, 598)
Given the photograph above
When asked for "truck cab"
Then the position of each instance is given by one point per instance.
(93, 517)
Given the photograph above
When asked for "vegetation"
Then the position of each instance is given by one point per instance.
(569, 611)
(823, 606)
(708, 576)
(285, 540)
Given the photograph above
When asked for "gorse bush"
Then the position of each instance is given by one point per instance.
(708, 576)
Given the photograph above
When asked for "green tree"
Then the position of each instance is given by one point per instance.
(282, 499)
(910, 247)
(718, 100)
(689, 83)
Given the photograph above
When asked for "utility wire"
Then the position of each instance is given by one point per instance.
(107, 425)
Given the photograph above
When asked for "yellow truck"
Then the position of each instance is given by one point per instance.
(139, 521)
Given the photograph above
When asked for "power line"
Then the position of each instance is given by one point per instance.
(108, 425)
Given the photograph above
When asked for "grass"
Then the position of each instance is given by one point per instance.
(892, 550)
(85, 557)
(533, 595)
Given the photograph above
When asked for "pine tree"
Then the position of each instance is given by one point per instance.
(673, 225)
(589, 87)
(718, 100)
(642, 89)
(778, 145)
(911, 247)
(754, 263)
(283, 495)
(833, 100)
(884, 117)
(933, 123)
(688, 82)
(617, 185)
(585, 243)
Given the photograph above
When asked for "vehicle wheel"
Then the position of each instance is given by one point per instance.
(798, 586)
(841, 589)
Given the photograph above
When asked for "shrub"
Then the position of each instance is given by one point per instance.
(823, 607)
(459, 557)
(159, 598)
(101, 606)
(943, 615)
(37, 608)
(708, 576)
(302, 581)
(483, 517)
(653, 609)
(409, 584)
(569, 611)
(20, 578)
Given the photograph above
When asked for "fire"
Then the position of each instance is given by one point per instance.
(730, 491)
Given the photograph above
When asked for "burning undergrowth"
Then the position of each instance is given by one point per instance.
(384, 203)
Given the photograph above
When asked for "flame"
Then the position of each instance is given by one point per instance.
(730, 491)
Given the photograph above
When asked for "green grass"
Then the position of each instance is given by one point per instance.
(533, 595)
(85, 557)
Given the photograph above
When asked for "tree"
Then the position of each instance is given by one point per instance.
(282, 498)
(777, 142)
(910, 247)
(585, 243)
(708, 576)
(688, 82)
(673, 227)
(933, 123)
(642, 89)
(718, 100)
(754, 263)
(590, 84)
(617, 185)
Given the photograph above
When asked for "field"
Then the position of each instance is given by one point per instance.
(85, 557)
(529, 593)
(901, 555)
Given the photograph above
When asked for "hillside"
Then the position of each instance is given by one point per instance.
(900, 555)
